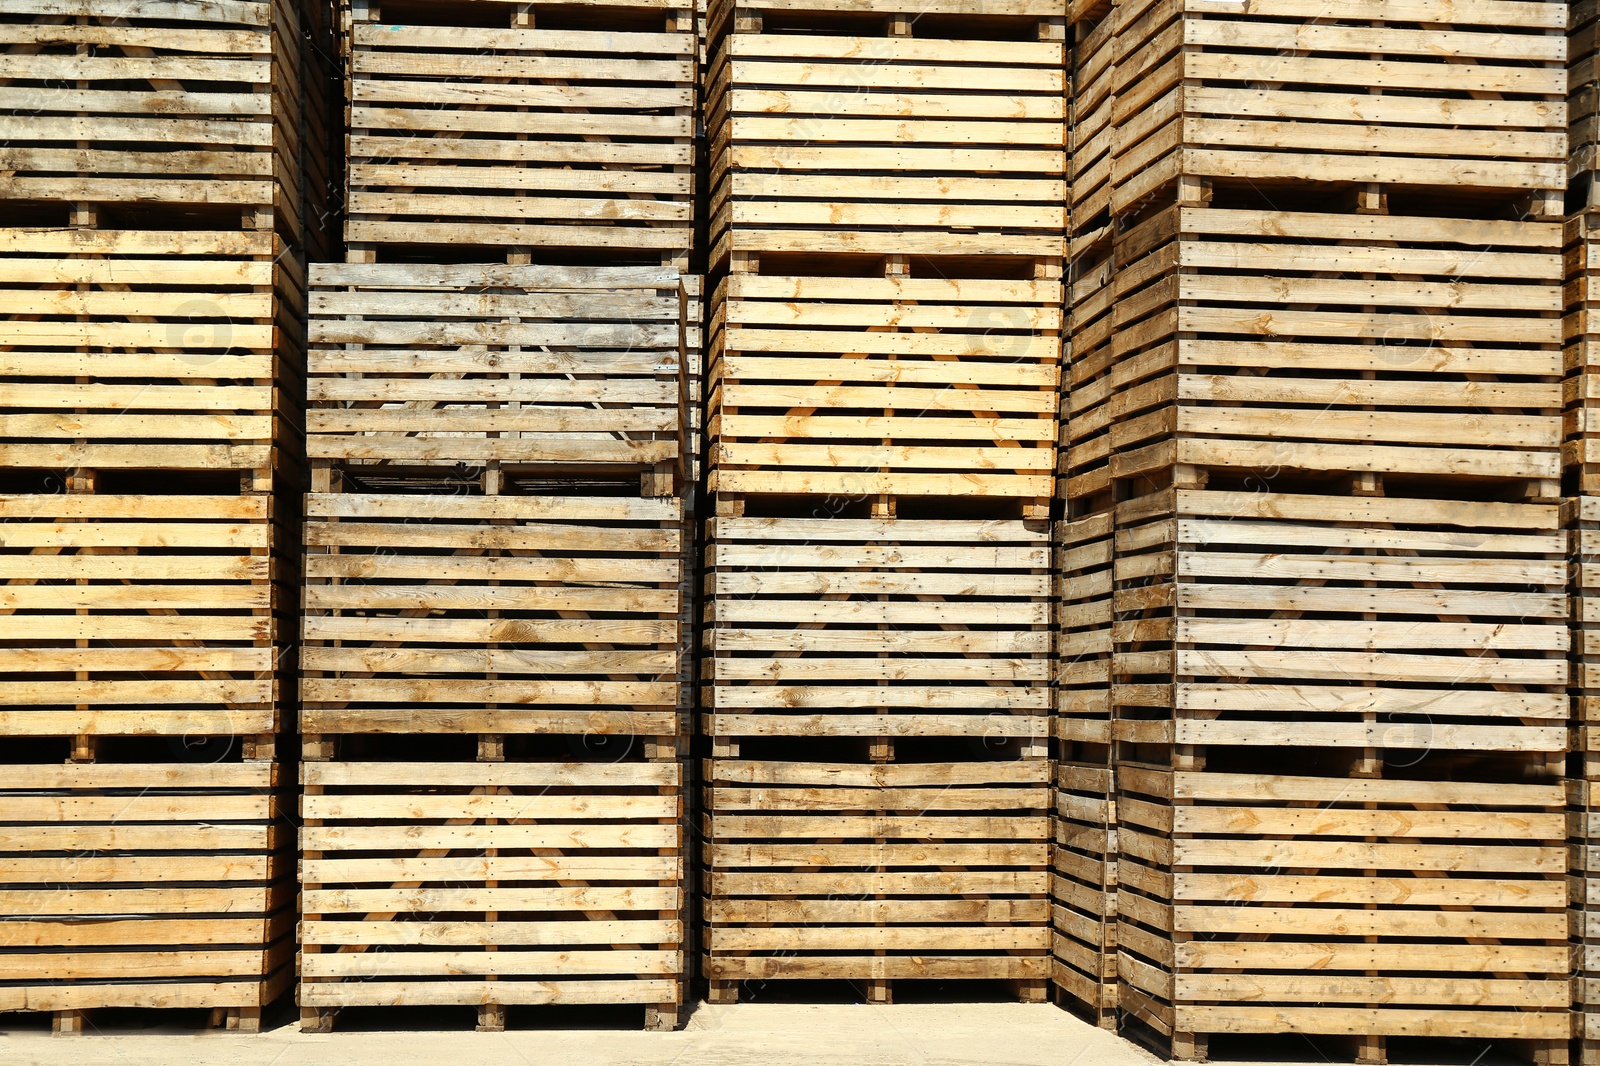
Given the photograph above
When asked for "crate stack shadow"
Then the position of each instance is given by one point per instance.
(154, 216)
(886, 237)
(1313, 699)
(497, 535)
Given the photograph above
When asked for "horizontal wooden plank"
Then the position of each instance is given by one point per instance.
(465, 992)
(476, 775)
(467, 869)
(1552, 1024)
(892, 937)
(437, 963)
(423, 903)
(442, 934)
(859, 723)
(916, 965)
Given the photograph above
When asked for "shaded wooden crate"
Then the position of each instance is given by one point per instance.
(1585, 912)
(832, 136)
(492, 884)
(491, 614)
(1091, 136)
(321, 131)
(1253, 903)
(569, 129)
(140, 615)
(700, 41)
(1385, 625)
(911, 386)
(150, 349)
(570, 369)
(1084, 887)
(1583, 100)
(855, 628)
(169, 104)
(694, 360)
(1582, 516)
(1084, 455)
(1581, 335)
(1278, 92)
(691, 595)
(145, 884)
(1084, 580)
(1387, 345)
(876, 872)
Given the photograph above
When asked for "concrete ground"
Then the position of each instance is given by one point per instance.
(746, 1034)
(759, 1034)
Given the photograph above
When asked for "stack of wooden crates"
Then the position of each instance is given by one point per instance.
(887, 230)
(496, 536)
(1313, 703)
(149, 488)
(1582, 473)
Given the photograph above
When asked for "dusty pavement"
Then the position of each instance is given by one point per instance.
(749, 1034)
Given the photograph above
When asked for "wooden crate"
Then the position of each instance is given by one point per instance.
(1583, 101)
(567, 369)
(145, 884)
(834, 627)
(887, 129)
(1581, 333)
(694, 357)
(321, 155)
(1583, 522)
(505, 614)
(1091, 136)
(876, 873)
(150, 349)
(903, 385)
(1084, 577)
(141, 615)
(1084, 888)
(1253, 903)
(1385, 345)
(1582, 516)
(700, 42)
(1585, 913)
(166, 104)
(563, 128)
(492, 884)
(1473, 99)
(1341, 629)
(1084, 456)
